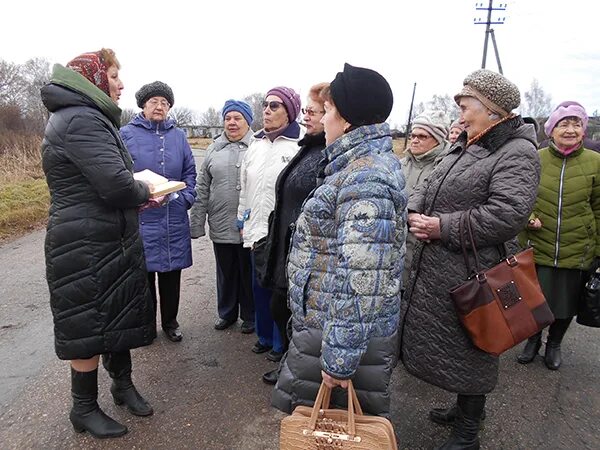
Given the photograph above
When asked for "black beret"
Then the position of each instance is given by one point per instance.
(362, 96)
(156, 89)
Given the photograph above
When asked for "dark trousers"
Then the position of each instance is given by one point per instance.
(234, 282)
(266, 330)
(281, 315)
(169, 284)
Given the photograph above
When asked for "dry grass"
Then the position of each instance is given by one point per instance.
(202, 143)
(398, 146)
(24, 196)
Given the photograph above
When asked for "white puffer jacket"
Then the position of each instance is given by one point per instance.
(263, 162)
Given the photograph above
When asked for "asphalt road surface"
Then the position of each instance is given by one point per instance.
(207, 391)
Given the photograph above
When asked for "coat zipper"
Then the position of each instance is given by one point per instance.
(558, 222)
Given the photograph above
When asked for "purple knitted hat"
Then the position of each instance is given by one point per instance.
(566, 109)
(291, 100)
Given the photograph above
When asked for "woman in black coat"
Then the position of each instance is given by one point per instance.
(95, 266)
(294, 184)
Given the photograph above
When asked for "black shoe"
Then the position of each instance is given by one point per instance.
(259, 348)
(553, 357)
(447, 416)
(124, 392)
(173, 334)
(86, 415)
(465, 431)
(271, 377)
(247, 327)
(274, 356)
(222, 324)
(531, 349)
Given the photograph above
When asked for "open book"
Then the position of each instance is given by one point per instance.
(162, 186)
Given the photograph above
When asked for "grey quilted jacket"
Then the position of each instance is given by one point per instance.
(496, 179)
(218, 191)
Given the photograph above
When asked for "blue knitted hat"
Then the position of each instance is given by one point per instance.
(240, 106)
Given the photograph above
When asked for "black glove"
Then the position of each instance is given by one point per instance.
(595, 265)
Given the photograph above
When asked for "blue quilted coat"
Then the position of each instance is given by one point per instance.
(163, 148)
(345, 274)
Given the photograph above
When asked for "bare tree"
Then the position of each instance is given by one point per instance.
(211, 118)
(444, 103)
(183, 116)
(255, 101)
(537, 102)
(126, 115)
(35, 73)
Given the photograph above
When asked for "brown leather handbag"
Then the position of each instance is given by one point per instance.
(321, 428)
(501, 306)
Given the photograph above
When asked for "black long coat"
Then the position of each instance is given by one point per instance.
(95, 266)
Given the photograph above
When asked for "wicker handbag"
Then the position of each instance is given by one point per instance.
(321, 428)
(503, 305)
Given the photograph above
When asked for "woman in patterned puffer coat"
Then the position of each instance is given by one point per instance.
(347, 253)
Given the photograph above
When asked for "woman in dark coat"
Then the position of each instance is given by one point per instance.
(294, 183)
(94, 258)
(491, 172)
(155, 143)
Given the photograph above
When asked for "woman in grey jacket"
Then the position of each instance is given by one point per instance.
(218, 193)
(492, 174)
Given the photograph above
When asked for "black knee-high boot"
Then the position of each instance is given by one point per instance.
(465, 432)
(553, 358)
(86, 415)
(122, 389)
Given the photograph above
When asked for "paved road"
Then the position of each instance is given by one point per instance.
(207, 392)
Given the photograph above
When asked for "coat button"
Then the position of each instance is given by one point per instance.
(238, 187)
(238, 165)
(162, 163)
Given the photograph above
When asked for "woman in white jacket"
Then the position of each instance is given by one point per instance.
(269, 152)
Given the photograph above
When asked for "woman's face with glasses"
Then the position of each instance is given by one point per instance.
(274, 114)
(312, 117)
(421, 141)
(156, 109)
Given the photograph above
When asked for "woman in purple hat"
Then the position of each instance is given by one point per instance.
(269, 152)
(563, 227)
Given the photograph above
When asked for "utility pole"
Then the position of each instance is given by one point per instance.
(489, 31)
(412, 101)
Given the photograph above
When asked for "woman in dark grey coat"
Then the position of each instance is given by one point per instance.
(94, 258)
(492, 173)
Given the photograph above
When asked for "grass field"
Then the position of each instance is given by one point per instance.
(24, 196)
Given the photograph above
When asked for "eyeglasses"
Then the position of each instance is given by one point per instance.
(421, 137)
(311, 112)
(154, 103)
(272, 105)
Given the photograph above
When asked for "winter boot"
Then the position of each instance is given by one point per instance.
(122, 389)
(86, 415)
(447, 416)
(553, 357)
(531, 349)
(466, 425)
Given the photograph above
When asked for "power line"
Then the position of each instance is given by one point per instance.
(489, 31)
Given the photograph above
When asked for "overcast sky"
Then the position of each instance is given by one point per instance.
(212, 50)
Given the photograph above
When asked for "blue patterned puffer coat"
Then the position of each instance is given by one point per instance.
(345, 274)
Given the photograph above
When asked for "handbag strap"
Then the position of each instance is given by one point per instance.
(324, 394)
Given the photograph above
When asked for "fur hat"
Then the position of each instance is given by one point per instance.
(495, 91)
(564, 110)
(291, 100)
(156, 89)
(361, 96)
(237, 105)
(92, 67)
(435, 123)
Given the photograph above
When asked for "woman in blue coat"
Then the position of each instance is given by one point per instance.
(155, 143)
